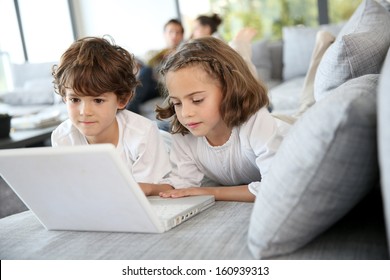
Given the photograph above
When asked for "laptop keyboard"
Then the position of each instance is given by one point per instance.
(175, 211)
(167, 211)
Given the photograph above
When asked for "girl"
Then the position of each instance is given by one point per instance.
(206, 26)
(96, 79)
(223, 134)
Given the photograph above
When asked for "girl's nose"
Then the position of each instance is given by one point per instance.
(187, 110)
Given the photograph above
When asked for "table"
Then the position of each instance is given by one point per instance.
(27, 137)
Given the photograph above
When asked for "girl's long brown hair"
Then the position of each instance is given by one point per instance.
(243, 94)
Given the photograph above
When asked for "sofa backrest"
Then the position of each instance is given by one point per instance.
(22, 73)
(276, 54)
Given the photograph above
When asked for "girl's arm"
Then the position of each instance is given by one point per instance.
(236, 193)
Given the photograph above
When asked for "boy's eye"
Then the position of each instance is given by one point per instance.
(99, 100)
(74, 100)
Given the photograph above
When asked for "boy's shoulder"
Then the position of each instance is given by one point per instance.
(131, 118)
(66, 133)
(64, 128)
(136, 125)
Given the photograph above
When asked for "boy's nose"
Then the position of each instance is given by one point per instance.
(85, 109)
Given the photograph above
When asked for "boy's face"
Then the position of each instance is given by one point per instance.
(95, 117)
(197, 100)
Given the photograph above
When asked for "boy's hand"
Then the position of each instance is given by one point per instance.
(154, 189)
(146, 188)
(185, 192)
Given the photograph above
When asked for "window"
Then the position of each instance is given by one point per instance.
(45, 29)
(267, 16)
(10, 40)
(341, 10)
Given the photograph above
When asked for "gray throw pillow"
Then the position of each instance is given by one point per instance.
(385, 3)
(360, 48)
(323, 168)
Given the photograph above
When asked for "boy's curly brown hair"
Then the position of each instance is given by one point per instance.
(92, 66)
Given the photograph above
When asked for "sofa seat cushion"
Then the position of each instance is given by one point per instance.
(218, 233)
(324, 167)
(285, 97)
(360, 48)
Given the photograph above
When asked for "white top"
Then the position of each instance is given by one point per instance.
(243, 160)
(140, 145)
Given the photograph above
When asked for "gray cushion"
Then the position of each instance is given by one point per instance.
(261, 58)
(276, 55)
(385, 3)
(298, 45)
(326, 164)
(359, 235)
(359, 49)
(384, 137)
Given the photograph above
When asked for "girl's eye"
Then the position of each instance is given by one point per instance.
(197, 100)
(174, 103)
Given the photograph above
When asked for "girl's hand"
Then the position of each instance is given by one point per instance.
(175, 193)
(233, 193)
(245, 35)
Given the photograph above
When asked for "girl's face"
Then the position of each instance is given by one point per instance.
(200, 30)
(197, 99)
(95, 117)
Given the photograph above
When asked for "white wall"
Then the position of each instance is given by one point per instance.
(136, 25)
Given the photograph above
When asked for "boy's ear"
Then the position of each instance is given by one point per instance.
(122, 104)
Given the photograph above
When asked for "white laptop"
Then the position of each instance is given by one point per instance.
(89, 188)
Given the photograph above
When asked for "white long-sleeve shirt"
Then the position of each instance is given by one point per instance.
(243, 160)
(140, 145)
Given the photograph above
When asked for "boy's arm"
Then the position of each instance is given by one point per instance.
(236, 193)
(154, 189)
